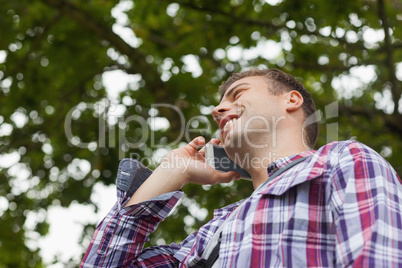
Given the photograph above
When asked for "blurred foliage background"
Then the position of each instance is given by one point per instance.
(62, 132)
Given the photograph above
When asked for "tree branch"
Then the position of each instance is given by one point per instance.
(265, 23)
(389, 62)
(272, 27)
(36, 41)
(139, 64)
(248, 21)
(333, 68)
(391, 121)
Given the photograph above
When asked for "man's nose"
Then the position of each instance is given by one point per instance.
(219, 111)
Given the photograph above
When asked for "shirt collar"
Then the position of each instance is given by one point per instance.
(281, 162)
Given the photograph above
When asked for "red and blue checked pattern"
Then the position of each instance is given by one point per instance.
(339, 207)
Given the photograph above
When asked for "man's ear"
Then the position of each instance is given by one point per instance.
(294, 101)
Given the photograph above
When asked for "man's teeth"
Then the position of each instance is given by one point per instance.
(231, 121)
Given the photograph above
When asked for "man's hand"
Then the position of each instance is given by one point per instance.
(191, 163)
(181, 166)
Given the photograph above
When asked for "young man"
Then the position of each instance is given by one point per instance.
(337, 206)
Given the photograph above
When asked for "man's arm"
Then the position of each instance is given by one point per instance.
(181, 166)
(367, 208)
(119, 239)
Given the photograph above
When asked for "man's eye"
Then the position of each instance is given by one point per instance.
(237, 94)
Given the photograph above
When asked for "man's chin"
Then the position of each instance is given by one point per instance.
(230, 144)
(226, 140)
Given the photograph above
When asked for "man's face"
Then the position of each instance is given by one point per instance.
(248, 115)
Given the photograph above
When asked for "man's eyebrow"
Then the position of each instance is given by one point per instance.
(230, 91)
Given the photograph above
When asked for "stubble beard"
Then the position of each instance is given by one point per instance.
(246, 138)
(233, 141)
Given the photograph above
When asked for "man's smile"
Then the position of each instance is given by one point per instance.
(226, 123)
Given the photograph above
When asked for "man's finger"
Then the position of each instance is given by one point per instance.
(213, 141)
(195, 143)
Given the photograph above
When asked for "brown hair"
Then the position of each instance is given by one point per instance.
(278, 83)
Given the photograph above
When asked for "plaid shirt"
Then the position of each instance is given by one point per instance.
(340, 207)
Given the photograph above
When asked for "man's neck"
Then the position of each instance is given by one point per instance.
(260, 159)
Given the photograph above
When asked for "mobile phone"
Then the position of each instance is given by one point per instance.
(216, 157)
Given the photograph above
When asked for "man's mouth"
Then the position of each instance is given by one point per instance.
(227, 122)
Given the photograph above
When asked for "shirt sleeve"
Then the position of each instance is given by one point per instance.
(366, 205)
(119, 239)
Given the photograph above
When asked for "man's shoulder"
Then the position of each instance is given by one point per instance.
(346, 151)
(346, 146)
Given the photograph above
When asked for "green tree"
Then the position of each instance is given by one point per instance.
(53, 54)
